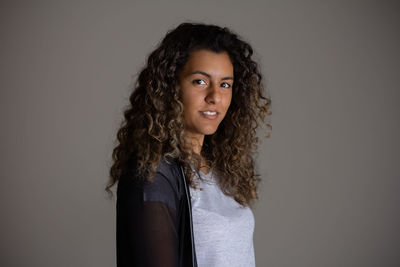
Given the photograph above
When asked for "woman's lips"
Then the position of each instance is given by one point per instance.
(209, 114)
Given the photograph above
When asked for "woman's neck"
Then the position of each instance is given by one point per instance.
(195, 143)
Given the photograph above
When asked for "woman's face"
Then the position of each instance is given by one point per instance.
(206, 91)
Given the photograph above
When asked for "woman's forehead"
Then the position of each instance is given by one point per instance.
(209, 62)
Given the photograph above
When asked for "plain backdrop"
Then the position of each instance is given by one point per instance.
(330, 189)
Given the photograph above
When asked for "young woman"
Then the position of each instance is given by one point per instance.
(184, 163)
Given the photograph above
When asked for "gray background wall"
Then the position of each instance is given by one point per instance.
(330, 191)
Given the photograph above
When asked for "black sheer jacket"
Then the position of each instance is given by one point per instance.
(154, 220)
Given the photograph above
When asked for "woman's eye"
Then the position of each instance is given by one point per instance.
(199, 81)
(226, 85)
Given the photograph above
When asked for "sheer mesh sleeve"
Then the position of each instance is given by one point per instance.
(147, 223)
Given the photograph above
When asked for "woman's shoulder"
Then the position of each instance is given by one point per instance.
(170, 169)
(165, 187)
(167, 177)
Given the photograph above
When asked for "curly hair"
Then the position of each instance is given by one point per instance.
(154, 126)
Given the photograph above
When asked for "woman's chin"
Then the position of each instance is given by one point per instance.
(210, 131)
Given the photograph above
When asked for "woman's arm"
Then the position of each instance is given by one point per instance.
(147, 223)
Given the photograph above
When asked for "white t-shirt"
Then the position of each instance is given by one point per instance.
(223, 229)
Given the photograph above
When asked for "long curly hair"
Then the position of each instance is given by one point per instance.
(154, 126)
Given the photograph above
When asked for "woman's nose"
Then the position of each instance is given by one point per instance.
(213, 95)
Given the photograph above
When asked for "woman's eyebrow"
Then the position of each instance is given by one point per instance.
(208, 75)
